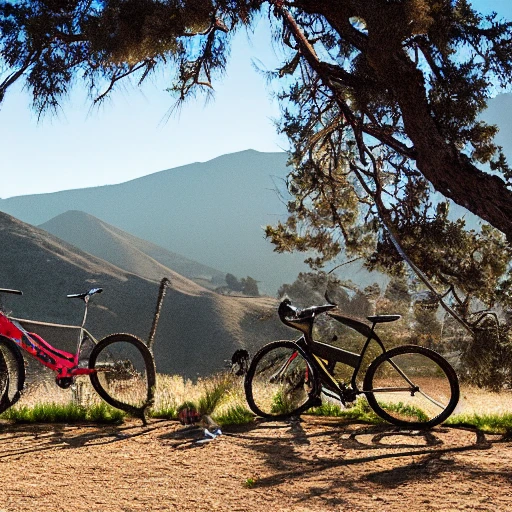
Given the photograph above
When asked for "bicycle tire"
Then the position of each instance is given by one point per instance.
(290, 393)
(125, 375)
(12, 373)
(432, 401)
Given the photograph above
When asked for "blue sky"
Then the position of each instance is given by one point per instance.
(130, 136)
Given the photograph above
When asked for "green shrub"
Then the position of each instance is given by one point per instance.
(407, 410)
(490, 423)
(104, 413)
(168, 412)
(214, 391)
(282, 403)
(64, 413)
(360, 411)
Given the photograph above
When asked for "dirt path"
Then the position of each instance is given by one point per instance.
(314, 465)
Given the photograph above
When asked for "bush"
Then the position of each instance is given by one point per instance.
(64, 413)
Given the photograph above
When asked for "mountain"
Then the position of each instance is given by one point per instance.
(198, 329)
(213, 213)
(126, 251)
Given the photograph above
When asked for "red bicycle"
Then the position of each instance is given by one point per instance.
(121, 367)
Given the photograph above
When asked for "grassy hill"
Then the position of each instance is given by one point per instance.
(127, 251)
(198, 329)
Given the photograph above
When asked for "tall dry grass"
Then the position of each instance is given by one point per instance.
(220, 396)
(215, 396)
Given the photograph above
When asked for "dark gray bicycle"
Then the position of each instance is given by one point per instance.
(409, 386)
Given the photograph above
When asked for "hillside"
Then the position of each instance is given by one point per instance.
(198, 329)
(212, 213)
(126, 251)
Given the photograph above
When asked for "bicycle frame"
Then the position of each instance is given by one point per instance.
(327, 356)
(106, 364)
(287, 378)
(64, 364)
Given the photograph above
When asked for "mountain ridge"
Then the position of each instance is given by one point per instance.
(125, 250)
(212, 212)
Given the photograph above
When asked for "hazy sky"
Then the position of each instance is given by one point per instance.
(129, 135)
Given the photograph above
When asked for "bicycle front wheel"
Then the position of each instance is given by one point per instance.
(412, 386)
(281, 381)
(125, 375)
(12, 373)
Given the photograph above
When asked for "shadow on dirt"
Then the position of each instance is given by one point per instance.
(19, 439)
(305, 449)
(308, 450)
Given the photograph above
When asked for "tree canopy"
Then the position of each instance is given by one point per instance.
(381, 102)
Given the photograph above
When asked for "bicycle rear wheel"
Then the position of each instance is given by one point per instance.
(412, 386)
(125, 375)
(281, 381)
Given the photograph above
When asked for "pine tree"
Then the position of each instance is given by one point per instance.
(384, 94)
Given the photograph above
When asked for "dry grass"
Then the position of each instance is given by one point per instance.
(222, 396)
(46, 391)
(217, 395)
(474, 400)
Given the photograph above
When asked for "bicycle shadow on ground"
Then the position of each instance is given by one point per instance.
(311, 447)
(19, 439)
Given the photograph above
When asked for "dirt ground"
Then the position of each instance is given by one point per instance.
(312, 465)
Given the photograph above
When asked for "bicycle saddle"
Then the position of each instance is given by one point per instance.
(286, 309)
(85, 294)
(383, 318)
